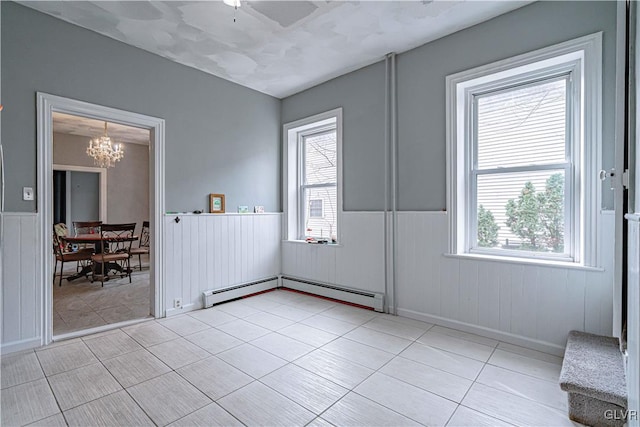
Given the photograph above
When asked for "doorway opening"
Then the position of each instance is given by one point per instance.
(77, 179)
(82, 193)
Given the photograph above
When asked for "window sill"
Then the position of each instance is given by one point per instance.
(304, 242)
(525, 261)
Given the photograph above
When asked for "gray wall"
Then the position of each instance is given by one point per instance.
(220, 137)
(361, 95)
(127, 182)
(421, 99)
(85, 197)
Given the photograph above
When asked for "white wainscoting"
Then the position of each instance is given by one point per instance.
(633, 319)
(21, 291)
(205, 252)
(531, 305)
(356, 263)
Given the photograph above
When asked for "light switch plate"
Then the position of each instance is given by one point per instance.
(27, 193)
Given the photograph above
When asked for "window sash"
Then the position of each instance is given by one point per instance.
(302, 208)
(569, 227)
(571, 204)
(316, 132)
(302, 186)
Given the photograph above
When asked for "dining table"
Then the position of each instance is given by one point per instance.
(98, 240)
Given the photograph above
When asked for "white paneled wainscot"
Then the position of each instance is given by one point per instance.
(531, 305)
(356, 263)
(633, 318)
(526, 304)
(217, 251)
(21, 290)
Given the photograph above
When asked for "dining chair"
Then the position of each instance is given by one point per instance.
(86, 227)
(62, 231)
(143, 244)
(62, 255)
(116, 240)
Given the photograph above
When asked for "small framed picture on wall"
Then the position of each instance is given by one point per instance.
(216, 203)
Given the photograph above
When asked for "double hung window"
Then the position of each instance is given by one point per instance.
(523, 148)
(318, 182)
(312, 187)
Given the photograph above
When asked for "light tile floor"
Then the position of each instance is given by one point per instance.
(80, 304)
(282, 358)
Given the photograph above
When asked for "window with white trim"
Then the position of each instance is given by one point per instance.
(312, 177)
(523, 154)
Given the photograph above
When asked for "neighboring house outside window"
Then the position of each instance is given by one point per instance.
(523, 149)
(312, 176)
(315, 208)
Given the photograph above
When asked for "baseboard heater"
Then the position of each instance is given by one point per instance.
(354, 296)
(217, 296)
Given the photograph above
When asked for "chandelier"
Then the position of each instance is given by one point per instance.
(105, 154)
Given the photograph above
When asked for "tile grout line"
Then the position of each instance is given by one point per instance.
(125, 389)
(471, 386)
(352, 390)
(504, 391)
(315, 348)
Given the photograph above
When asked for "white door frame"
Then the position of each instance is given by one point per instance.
(103, 184)
(616, 181)
(47, 105)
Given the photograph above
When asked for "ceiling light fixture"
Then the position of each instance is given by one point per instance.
(235, 4)
(104, 152)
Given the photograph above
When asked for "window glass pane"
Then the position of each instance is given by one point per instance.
(326, 225)
(522, 126)
(321, 158)
(522, 211)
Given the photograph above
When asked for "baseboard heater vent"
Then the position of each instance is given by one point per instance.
(217, 296)
(354, 296)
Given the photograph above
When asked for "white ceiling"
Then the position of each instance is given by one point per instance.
(91, 128)
(276, 47)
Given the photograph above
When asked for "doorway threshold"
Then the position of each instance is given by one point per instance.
(98, 329)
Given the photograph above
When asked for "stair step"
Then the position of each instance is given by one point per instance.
(593, 375)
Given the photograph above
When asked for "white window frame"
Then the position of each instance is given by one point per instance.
(583, 58)
(292, 169)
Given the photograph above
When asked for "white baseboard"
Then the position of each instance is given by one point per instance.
(507, 337)
(28, 344)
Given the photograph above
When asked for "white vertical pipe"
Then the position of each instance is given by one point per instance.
(387, 148)
(394, 178)
(1, 181)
